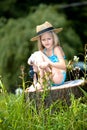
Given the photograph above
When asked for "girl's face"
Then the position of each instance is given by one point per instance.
(47, 40)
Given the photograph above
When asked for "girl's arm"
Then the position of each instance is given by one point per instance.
(60, 54)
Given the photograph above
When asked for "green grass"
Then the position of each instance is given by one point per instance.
(18, 114)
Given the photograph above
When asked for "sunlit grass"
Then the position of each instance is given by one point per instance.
(16, 113)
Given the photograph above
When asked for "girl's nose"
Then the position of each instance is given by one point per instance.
(47, 40)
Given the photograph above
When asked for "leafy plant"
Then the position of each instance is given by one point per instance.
(18, 112)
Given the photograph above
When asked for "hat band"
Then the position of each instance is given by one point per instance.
(45, 30)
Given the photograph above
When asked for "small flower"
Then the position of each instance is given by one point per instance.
(18, 91)
(77, 68)
(86, 57)
(76, 59)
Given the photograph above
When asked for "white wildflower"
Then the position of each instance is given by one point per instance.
(86, 57)
(76, 59)
(18, 91)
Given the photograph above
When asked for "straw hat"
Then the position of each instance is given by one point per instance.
(45, 27)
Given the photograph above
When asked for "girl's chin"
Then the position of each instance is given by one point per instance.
(48, 47)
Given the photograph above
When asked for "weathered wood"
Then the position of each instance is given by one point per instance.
(62, 92)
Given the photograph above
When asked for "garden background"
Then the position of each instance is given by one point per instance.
(18, 19)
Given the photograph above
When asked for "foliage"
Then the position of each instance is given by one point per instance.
(13, 8)
(15, 45)
(18, 8)
(78, 18)
(18, 114)
(77, 69)
(14, 48)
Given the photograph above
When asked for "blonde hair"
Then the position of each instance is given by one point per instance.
(55, 39)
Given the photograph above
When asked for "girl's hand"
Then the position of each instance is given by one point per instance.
(44, 65)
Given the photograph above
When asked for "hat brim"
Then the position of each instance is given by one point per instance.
(54, 30)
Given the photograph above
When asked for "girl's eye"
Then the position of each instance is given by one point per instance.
(43, 40)
(49, 38)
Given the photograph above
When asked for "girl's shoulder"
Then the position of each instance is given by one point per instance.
(59, 51)
(57, 48)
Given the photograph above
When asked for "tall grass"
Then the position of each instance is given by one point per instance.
(16, 113)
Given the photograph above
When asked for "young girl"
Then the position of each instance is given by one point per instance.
(49, 58)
